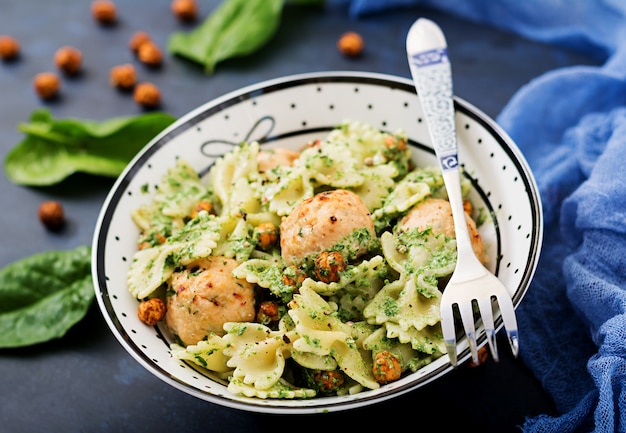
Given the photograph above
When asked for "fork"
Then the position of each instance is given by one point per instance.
(471, 284)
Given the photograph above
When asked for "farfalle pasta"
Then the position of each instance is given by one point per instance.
(317, 244)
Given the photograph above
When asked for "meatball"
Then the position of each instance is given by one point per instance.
(205, 296)
(437, 214)
(271, 158)
(321, 222)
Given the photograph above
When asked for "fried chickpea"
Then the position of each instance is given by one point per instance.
(328, 265)
(293, 276)
(482, 357)
(185, 10)
(137, 40)
(150, 54)
(267, 235)
(104, 11)
(392, 142)
(47, 85)
(123, 76)
(153, 240)
(151, 311)
(268, 312)
(350, 44)
(9, 48)
(51, 214)
(147, 95)
(202, 205)
(328, 381)
(68, 60)
(386, 367)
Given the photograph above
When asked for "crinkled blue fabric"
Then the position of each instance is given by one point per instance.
(570, 124)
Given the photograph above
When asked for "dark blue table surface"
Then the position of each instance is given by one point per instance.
(85, 381)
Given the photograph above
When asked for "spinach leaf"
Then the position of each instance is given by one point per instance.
(44, 295)
(235, 28)
(53, 149)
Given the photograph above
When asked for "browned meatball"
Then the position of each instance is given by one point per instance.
(323, 221)
(437, 214)
(205, 296)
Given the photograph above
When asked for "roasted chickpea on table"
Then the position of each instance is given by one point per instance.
(139, 38)
(68, 60)
(104, 12)
(350, 44)
(147, 95)
(9, 48)
(123, 76)
(51, 214)
(47, 85)
(185, 10)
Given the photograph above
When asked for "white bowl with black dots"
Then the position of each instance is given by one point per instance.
(289, 112)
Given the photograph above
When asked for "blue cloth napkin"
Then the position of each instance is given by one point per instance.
(570, 124)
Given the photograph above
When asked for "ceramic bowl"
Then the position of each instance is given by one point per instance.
(288, 112)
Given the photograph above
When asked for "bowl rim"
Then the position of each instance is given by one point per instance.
(161, 139)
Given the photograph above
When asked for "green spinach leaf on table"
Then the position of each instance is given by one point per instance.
(236, 28)
(44, 295)
(53, 149)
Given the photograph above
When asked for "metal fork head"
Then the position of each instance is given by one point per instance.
(480, 297)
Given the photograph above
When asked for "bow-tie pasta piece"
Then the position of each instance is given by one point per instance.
(322, 333)
(410, 190)
(153, 266)
(207, 353)
(256, 353)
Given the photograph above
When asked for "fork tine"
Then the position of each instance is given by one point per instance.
(510, 322)
(449, 333)
(467, 317)
(486, 313)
